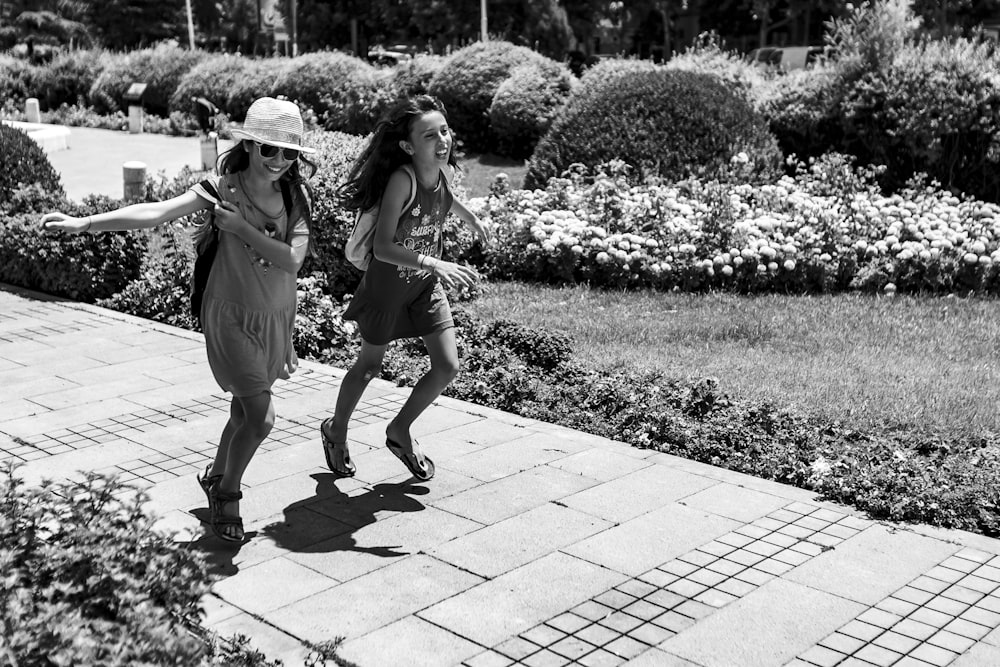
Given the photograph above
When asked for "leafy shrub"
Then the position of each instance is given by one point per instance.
(803, 111)
(69, 77)
(255, 81)
(468, 83)
(526, 104)
(162, 290)
(332, 223)
(84, 568)
(161, 67)
(408, 78)
(337, 86)
(84, 267)
(668, 123)
(730, 67)
(25, 163)
(16, 79)
(935, 109)
(320, 327)
(216, 78)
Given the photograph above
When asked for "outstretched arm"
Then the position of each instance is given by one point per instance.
(136, 216)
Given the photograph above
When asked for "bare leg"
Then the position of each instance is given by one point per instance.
(443, 351)
(258, 420)
(236, 419)
(367, 366)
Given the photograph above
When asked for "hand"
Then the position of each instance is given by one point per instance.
(228, 217)
(454, 275)
(481, 230)
(60, 222)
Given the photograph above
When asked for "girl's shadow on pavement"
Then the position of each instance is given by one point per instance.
(325, 522)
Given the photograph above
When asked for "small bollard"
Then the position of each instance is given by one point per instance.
(31, 110)
(135, 119)
(209, 151)
(134, 177)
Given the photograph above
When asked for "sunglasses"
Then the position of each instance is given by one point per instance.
(267, 150)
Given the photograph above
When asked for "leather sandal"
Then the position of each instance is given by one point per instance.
(220, 520)
(410, 460)
(206, 481)
(330, 451)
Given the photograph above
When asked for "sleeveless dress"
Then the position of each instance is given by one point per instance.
(248, 311)
(396, 302)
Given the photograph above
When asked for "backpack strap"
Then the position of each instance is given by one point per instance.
(408, 168)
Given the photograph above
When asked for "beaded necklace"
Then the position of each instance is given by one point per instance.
(270, 227)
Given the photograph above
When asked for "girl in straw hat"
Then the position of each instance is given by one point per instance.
(260, 208)
(406, 166)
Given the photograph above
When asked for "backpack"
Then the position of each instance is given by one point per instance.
(207, 245)
(358, 248)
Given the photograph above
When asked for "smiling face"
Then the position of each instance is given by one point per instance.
(430, 140)
(270, 168)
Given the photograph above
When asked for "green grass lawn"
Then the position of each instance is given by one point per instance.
(480, 170)
(869, 361)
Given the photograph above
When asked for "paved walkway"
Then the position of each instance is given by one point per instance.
(533, 545)
(93, 162)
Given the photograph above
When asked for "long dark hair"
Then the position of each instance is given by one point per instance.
(370, 174)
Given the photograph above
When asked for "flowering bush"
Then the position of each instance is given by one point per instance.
(826, 227)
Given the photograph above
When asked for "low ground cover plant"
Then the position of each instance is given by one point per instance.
(89, 580)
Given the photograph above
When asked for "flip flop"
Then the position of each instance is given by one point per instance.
(411, 461)
(329, 448)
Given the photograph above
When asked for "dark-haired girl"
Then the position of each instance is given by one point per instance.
(262, 213)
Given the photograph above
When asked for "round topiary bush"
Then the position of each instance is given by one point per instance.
(408, 78)
(526, 104)
(255, 81)
(468, 83)
(25, 163)
(802, 111)
(216, 78)
(668, 123)
(69, 77)
(335, 85)
(160, 67)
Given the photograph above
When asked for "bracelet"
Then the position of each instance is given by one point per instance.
(435, 265)
(420, 261)
(90, 221)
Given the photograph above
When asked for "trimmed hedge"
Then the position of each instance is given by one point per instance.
(526, 104)
(468, 83)
(337, 86)
(25, 163)
(160, 67)
(217, 78)
(668, 123)
(69, 77)
(16, 79)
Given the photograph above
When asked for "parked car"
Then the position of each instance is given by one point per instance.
(391, 55)
(786, 57)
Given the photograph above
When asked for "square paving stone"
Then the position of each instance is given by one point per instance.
(408, 641)
(637, 493)
(511, 543)
(775, 623)
(520, 599)
(402, 588)
(510, 496)
(872, 565)
(640, 544)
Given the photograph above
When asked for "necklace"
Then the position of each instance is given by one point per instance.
(270, 228)
(256, 204)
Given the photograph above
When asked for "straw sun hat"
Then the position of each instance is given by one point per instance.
(275, 122)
